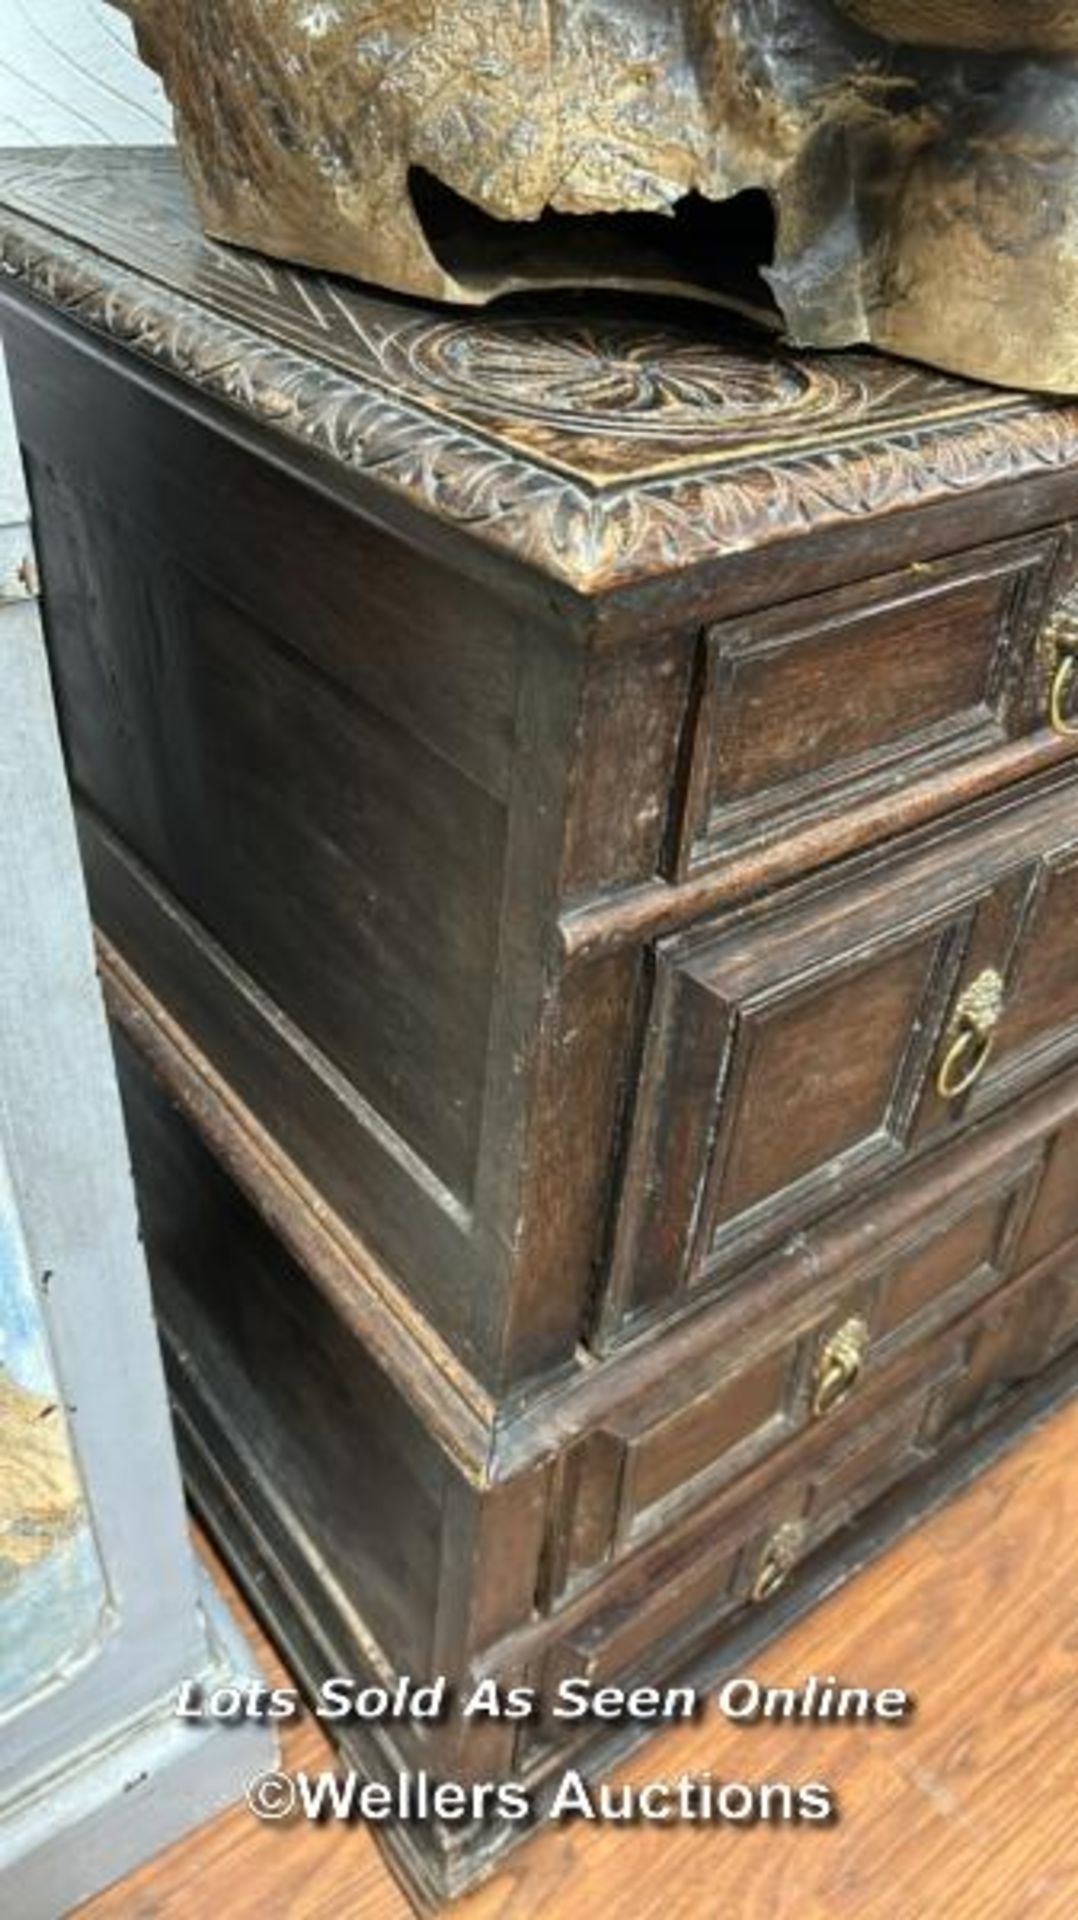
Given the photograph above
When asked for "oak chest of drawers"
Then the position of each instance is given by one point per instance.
(581, 817)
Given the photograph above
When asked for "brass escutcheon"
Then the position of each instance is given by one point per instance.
(1063, 685)
(778, 1560)
(1060, 646)
(971, 1036)
(839, 1366)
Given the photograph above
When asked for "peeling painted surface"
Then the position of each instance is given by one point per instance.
(52, 1588)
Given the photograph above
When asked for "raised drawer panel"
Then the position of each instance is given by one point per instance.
(671, 1598)
(1055, 1217)
(821, 1338)
(1043, 992)
(663, 1603)
(677, 1450)
(979, 1243)
(800, 1053)
(1033, 1322)
(811, 710)
(838, 1064)
(1023, 940)
(883, 1452)
(1064, 1332)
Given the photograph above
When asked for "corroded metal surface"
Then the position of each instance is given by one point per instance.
(604, 443)
(892, 171)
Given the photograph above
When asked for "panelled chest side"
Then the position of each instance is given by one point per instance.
(580, 815)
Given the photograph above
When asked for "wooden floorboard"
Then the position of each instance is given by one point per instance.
(969, 1810)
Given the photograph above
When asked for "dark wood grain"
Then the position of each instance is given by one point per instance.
(271, 803)
(743, 465)
(671, 1565)
(793, 1055)
(548, 784)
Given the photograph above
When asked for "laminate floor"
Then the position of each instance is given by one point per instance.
(970, 1809)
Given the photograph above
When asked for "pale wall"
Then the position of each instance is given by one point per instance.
(69, 76)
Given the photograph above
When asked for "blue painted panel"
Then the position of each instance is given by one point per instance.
(53, 1598)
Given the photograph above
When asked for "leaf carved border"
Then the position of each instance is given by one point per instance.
(591, 539)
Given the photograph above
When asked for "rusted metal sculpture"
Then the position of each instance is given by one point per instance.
(903, 172)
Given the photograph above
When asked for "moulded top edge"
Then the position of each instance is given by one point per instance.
(604, 443)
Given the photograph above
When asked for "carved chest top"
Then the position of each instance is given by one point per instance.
(604, 444)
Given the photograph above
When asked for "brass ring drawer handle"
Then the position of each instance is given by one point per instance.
(971, 1036)
(1059, 650)
(777, 1562)
(1063, 721)
(839, 1367)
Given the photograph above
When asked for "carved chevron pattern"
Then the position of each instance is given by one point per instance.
(601, 452)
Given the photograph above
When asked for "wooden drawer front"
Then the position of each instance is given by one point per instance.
(654, 1613)
(663, 1602)
(1054, 1219)
(1030, 1325)
(1064, 1331)
(812, 1350)
(808, 711)
(794, 1057)
(1042, 974)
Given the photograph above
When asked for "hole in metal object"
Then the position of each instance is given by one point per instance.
(714, 249)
